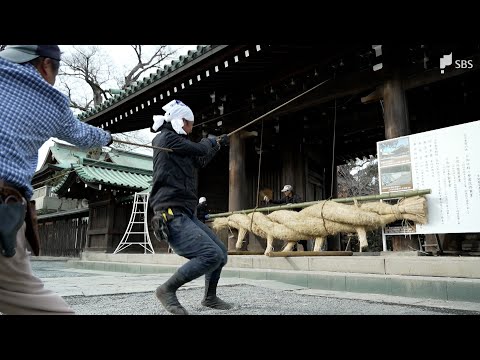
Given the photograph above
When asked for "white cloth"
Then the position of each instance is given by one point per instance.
(158, 121)
(175, 112)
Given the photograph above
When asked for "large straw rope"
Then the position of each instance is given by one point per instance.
(323, 219)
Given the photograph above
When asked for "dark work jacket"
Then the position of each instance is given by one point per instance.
(294, 199)
(175, 173)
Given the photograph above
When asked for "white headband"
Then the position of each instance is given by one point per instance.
(175, 112)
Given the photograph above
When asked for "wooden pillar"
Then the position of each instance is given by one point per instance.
(237, 189)
(396, 125)
(395, 108)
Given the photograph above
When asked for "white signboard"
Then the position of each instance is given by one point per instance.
(447, 161)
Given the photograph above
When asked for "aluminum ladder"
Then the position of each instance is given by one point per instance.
(137, 219)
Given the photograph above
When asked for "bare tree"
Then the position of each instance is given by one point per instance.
(91, 65)
(358, 177)
(145, 62)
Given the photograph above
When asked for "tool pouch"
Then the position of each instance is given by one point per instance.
(159, 224)
(12, 215)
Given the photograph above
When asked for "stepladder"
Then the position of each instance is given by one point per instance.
(137, 229)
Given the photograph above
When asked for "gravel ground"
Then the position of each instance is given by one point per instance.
(248, 299)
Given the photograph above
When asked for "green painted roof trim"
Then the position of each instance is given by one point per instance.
(112, 177)
(127, 169)
(65, 155)
(108, 174)
(86, 162)
(60, 184)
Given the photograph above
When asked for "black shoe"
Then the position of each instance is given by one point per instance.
(169, 301)
(216, 303)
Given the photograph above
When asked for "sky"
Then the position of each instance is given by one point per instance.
(121, 56)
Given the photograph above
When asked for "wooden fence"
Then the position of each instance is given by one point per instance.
(63, 237)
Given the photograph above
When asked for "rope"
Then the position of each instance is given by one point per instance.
(323, 219)
(397, 212)
(258, 177)
(278, 107)
(147, 146)
(333, 144)
(261, 140)
(170, 150)
(293, 229)
(221, 116)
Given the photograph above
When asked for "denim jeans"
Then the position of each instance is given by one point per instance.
(194, 240)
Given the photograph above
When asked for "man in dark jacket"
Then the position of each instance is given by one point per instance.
(173, 199)
(289, 198)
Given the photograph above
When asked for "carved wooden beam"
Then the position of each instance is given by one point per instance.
(425, 78)
(434, 75)
(374, 96)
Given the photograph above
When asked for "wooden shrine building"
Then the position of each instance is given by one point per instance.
(362, 93)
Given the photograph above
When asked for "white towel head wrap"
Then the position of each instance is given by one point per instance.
(175, 112)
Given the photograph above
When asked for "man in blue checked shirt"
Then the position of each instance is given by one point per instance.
(32, 111)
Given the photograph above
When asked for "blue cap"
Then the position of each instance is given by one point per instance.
(24, 53)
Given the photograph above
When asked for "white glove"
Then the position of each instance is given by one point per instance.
(266, 199)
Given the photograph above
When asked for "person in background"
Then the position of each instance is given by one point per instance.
(32, 112)
(289, 197)
(202, 209)
(173, 199)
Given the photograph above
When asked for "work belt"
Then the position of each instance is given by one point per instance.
(14, 210)
(159, 224)
(166, 214)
